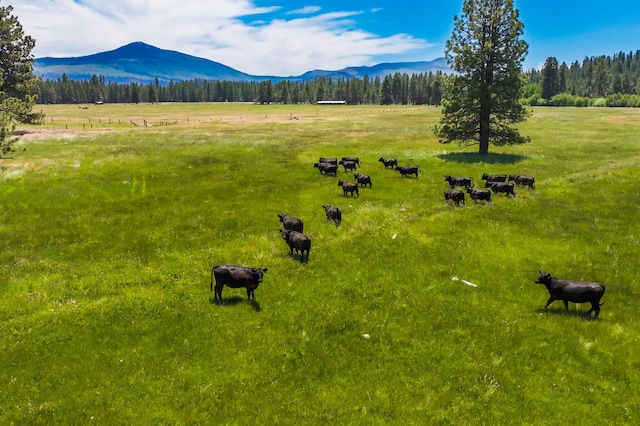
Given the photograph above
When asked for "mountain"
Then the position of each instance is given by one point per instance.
(141, 63)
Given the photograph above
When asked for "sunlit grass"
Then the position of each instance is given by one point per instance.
(109, 235)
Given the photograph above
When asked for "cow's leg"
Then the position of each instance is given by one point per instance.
(218, 292)
(566, 304)
(551, 299)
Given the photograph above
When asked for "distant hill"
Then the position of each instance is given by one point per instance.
(141, 63)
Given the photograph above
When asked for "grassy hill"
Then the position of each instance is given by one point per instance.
(109, 232)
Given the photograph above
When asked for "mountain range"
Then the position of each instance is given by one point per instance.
(142, 63)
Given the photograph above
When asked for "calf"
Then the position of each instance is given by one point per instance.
(388, 162)
(505, 187)
(455, 196)
(290, 222)
(494, 178)
(235, 277)
(466, 182)
(348, 187)
(523, 180)
(333, 213)
(363, 180)
(348, 165)
(479, 194)
(298, 241)
(572, 291)
(407, 170)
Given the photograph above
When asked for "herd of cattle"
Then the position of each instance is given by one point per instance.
(292, 233)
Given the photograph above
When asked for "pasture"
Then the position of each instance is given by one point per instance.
(109, 231)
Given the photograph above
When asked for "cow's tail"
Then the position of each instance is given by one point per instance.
(212, 269)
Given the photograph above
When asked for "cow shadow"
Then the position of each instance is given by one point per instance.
(235, 300)
(473, 158)
(571, 312)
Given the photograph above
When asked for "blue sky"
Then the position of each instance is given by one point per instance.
(285, 37)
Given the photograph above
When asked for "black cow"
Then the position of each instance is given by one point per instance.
(348, 165)
(523, 180)
(455, 196)
(298, 241)
(572, 291)
(327, 168)
(235, 277)
(362, 179)
(290, 222)
(352, 160)
(348, 187)
(466, 182)
(479, 194)
(388, 162)
(332, 160)
(505, 187)
(407, 170)
(494, 178)
(333, 213)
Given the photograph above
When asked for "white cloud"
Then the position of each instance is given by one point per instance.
(218, 30)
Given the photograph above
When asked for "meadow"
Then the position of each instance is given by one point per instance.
(109, 231)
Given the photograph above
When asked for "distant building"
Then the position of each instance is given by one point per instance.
(332, 102)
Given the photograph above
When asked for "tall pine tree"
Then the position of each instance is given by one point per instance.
(482, 99)
(18, 84)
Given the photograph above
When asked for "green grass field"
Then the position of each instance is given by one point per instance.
(109, 231)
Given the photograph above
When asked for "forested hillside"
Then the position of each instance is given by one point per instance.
(601, 81)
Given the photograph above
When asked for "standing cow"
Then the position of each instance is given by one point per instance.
(291, 223)
(466, 182)
(363, 180)
(333, 213)
(523, 180)
(454, 195)
(388, 162)
(298, 241)
(407, 170)
(235, 277)
(506, 187)
(479, 194)
(572, 291)
(349, 187)
(494, 178)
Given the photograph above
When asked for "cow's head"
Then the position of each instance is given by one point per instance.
(285, 233)
(340, 182)
(258, 273)
(281, 216)
(543, 278)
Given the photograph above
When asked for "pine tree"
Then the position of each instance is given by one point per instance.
(18, 84)
(550, 78)
(482, 99)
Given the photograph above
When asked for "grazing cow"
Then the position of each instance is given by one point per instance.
(388, 162)
(455, 196)
(348, 165)
(466, 182)
(352, 159)
(290, 222)
(332, 160)
(327, 168)
(333, 213)
(362, 179)
(505, 187)
(523, 180)
(235, 277)
(494, 178)
(298, 241)
(572, 291)
(407, 170)
(348, 187)
(479, 194)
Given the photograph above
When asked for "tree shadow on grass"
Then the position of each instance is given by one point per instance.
(571, 312)
(473, 157)
(236, 300)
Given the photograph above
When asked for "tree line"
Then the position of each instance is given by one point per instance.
(399, 89)
(613, 78)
